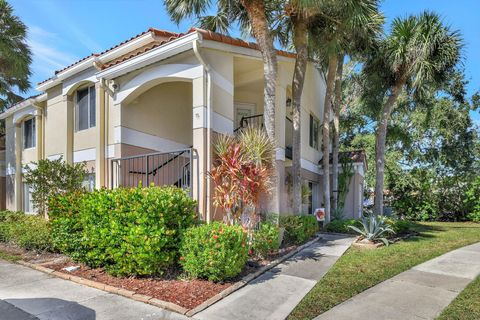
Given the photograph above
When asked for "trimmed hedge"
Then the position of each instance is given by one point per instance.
(133, 231)
(30, 232)
(214, 251)
(299, 228)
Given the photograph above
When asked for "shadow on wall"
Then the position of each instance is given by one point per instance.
(46, 308)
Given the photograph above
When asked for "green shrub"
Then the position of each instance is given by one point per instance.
(341, 226)
(30, 232)
(399, 226)
(472, 200)
(265, 239)
(66, 225)
(134, 231)
(299, 228)
(214, 251)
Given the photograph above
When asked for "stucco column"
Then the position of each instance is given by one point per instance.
(18, 167)
(39, 133)
(70, 126)
(100, 136)
(199, 139)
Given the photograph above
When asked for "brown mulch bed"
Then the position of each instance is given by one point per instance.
(171, 287)
(187, 293)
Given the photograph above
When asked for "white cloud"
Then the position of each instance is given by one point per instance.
(47, 57)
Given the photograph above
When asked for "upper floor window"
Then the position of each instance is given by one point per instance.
(314, 131)
(85, 109)
(29, 133)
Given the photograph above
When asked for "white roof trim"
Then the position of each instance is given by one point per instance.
(127, 47)
(160, 53)
(23, 105)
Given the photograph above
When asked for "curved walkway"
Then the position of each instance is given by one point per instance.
(419, 293)
(275, 294)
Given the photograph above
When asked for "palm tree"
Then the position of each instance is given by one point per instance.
(342, 28)
(364, 26)
(419, 54)
(15, 57)
(253, 18)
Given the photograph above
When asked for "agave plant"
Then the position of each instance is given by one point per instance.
(374, 227)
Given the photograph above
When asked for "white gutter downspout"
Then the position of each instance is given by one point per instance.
(209, 117)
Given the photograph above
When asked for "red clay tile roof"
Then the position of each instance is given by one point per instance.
(165, 37)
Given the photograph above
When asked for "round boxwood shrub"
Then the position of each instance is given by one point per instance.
(214, 251)
(265, 239)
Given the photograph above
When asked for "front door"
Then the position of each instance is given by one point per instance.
(243, 110)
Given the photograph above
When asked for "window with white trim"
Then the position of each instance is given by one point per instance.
(85, 109)
(314, 131)
(29, 139)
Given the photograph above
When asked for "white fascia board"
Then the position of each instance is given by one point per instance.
(126, 48)
(22, 105)
(169, 49)
(216, 45)
(59, 77)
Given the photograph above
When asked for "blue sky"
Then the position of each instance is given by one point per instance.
(63, 31)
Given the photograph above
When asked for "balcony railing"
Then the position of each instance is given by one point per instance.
(160, 168)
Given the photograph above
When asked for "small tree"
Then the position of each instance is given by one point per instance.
(49, 177)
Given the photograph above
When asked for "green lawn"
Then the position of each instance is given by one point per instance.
(466, 306)
(358, 270)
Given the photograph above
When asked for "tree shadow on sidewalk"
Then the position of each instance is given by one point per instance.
(45, 308)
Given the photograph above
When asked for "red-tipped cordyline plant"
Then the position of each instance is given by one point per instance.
(242, 175)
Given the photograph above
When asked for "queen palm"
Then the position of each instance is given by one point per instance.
(419, 54)
(15, 57)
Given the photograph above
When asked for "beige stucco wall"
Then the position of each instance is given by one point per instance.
(164, 111)
(55, 123)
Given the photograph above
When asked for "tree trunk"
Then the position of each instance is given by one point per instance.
(261, 32)
(336, 130)
(332, 66)
(300, 42)
(380, 142)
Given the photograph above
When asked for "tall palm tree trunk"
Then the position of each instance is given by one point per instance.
(336, 129)
(332, 66)
(261, 31)
(300, 42)
(381, 137)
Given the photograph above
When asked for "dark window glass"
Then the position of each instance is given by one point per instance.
(85, 112)
(29, 133)
(314, 131)
(92, 107)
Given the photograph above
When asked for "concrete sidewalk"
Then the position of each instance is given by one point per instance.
(274, 294)
(419, 293)
(30, 294)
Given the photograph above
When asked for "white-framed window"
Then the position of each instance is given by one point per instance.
(27, 199)
(85, 109)
(314, 131)
(89, 181)
(29, 139)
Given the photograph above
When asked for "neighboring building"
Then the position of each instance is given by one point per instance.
(165, 95)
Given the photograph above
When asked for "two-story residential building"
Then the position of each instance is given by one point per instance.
(148, 110)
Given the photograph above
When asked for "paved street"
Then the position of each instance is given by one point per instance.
(29, 294)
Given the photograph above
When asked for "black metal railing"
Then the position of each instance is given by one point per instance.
(255, 121)
(160, 168)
